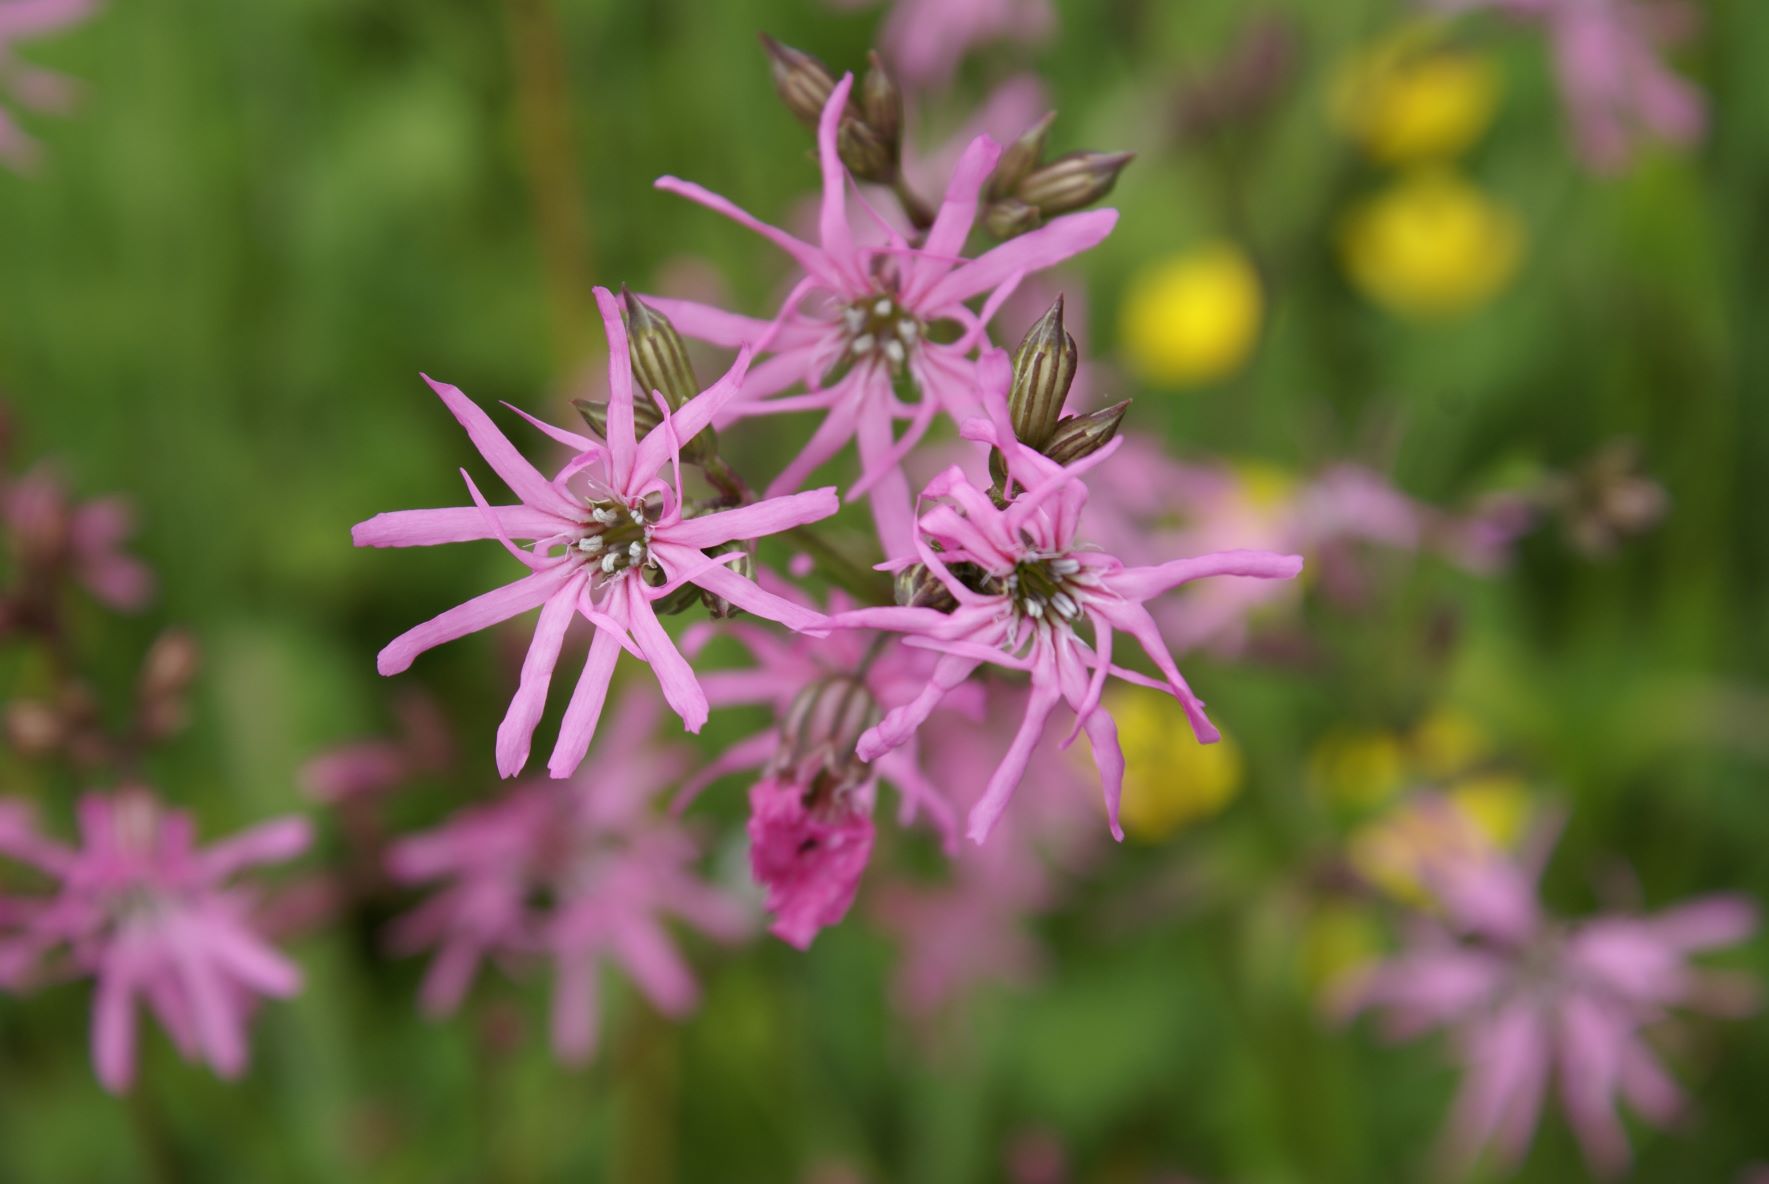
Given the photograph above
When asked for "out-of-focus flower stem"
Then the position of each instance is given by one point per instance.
(865, 585)
(146, 1123)
(543, 106)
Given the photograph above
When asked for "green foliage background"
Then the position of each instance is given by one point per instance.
(267, 218)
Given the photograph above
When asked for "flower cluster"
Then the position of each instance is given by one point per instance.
(881, 327)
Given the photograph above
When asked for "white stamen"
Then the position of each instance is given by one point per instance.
(894, 351)
(853, 318)
(1064, 567)
(590, 544)
(635, 551)
(883, 307)
(1034, 609)
(604, 515)
(863, 344)
(609, 562)
(638, 518)
(1065, 605)
(907, 330)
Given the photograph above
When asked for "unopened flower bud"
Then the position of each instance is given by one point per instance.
(865, 152)
(170, 666)
(1018, 160)
(661, 364)
(1072, 181)
(645, 416)
(819, 734)
(1043, 369)
(804, 82)
(881, 104)
(660, 360)
(1010, 217)
(1083, 435)
(33, 729)
(744, 565)
(917, 587)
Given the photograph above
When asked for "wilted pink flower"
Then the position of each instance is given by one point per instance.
(150, 916)
(574, 873)
(604, 529)
(50, 532)
(1608, 54)
(810, 824)
(859, 320)
(32, 88)
(1022, 583)
(1526, 997)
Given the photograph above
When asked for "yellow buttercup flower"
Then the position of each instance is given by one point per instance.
(1431, 245)
(1474, 820)
(1193, 318)
(1169, 778)
(1411, 99)
(1497, 804)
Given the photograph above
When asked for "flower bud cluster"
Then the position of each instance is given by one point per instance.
(1025, 191)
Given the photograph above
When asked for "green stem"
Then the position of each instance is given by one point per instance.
(862, 582)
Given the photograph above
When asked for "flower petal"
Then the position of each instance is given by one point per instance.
(457, 524)
(1035, 251)
(516, 732)
(482, 612)
(524, 480)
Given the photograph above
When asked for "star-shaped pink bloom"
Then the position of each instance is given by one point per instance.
(151, 918)
(859, 320)
(1023, 583)
(1528, 998)
(576, 873)
(610, 537)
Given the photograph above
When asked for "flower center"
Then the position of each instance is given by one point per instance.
(617, 537)
(879, 327)
(1045, 587)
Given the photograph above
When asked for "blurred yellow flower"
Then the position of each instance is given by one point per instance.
(1471, 821)
(1170, 779)
(1411, 99)
(1337, 939)
(1447, 742)
(1431, 245)
(1358, 768)
(1193, 318)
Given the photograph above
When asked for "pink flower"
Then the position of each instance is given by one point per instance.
(1022, 582)
(34, 89)
(924, 40)
(573, 873)
(50, 532)
(1528, 998)
(972, 928)
(1617, 89)
(810, 821)
(858, 320)
(610, 537)
(367, 767)
(1158, 505)
(150, 916)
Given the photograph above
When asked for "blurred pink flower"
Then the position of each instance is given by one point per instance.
(29, 87)
(596, 550)
(573, 873)
(1032, 585)
(1158, 505)
(859, 318)
(364, 767)
(972, 928)
(143, 911)
(1608, 54)
(924, 40)
(49, 532)
(810, 824)
(1525, 997)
